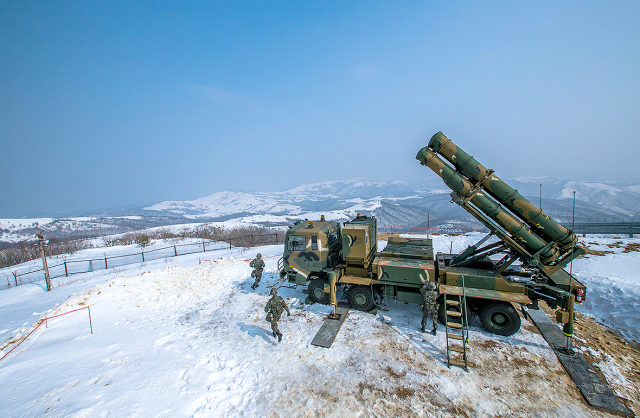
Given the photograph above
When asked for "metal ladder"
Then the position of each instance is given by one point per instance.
(457, 329)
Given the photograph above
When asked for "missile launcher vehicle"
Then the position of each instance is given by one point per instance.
(520, 261)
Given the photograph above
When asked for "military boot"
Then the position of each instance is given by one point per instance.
(279, 336)
(423, 330)
(434, 331)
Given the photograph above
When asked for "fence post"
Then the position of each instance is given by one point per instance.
(204, 249)
(106, 267)
(142, 256)
(8, 283)
(44, 261)
(229, 243)
(175, 251)
(66, 272)
(15, 277)
(90, 325)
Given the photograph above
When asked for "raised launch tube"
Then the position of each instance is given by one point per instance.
(458, 183)
(503, 193)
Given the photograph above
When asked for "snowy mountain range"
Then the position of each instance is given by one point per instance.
(410, 204)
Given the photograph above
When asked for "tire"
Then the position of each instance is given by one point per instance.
(500, 318)
(442, 308)
(315, 290)
(360, 298)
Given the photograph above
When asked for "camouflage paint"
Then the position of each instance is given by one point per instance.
(481, 279)
(456, 182)
(415, 248)
(403, 272)
(486, 294)
(359, 241)
(356, 243)
(502, 192)
(308, 261)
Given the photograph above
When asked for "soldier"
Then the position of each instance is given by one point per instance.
(430, 306)
(274, 309)
(257, 265)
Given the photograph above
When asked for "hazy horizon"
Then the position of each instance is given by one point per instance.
(113, 104)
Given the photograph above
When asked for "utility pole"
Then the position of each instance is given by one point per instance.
(44, 260)
(540, 196)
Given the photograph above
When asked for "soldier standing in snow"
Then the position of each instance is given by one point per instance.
(274, 309)
(257, 265)
(430, 306)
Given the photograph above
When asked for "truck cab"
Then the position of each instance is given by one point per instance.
(311, 250)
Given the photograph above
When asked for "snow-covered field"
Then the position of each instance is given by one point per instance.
(187, 337)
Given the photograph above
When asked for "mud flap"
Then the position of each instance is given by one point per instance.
(595, 391)
(330, 328)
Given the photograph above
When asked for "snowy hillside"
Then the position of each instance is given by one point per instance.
(428, 196)
(187, 337)
(19, 230)
(409, 204)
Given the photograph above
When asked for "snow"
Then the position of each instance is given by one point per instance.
(292, 202)
(187, 337)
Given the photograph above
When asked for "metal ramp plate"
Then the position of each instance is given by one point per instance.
(595, 391)
(330, 328)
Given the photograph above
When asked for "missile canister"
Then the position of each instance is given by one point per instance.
(502, 192)
(458, 183)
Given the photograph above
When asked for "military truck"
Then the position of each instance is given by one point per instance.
(524, 263)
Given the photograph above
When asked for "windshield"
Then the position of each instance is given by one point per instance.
(297, 243)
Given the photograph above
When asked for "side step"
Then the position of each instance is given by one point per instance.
(595, 391)
(330, 328)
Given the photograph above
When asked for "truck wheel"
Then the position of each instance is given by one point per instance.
(316, 291)
(360, 298)
(441, 309)
(500, 318)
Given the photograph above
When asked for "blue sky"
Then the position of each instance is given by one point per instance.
(108, 104)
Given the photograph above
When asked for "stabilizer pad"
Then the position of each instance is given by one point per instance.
(330, 328)
(595, 391)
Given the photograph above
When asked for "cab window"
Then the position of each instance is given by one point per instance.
(297, 243)
(314, 243)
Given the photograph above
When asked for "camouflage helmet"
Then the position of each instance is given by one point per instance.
(274, 291)
(259, 255)
(430, 286)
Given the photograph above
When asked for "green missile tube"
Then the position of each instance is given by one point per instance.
(502, 192)
(458, 183)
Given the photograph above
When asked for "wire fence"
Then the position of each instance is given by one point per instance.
(70, 267)
(614, 228)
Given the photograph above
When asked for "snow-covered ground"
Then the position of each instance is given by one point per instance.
(187, 337)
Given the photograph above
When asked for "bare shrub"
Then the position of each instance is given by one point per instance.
(30, 251)
(245, 236)
(143, 240)
(163, 234)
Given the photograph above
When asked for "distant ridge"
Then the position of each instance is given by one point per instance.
(399, 203)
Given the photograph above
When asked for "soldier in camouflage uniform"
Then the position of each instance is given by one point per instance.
(258, 266)
(430, 306)
(274, 309)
